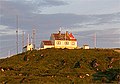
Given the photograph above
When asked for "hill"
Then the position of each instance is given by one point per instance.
(61, 66)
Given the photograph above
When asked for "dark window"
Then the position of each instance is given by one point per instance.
(66, 43)
(73, 43)
(58, 43)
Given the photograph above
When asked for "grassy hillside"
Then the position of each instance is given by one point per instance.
(61, 66)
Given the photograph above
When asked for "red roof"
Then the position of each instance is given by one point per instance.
(71, 36)
(62, 36)
(47, 42)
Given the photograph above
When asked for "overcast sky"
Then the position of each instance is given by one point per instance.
(81, 17)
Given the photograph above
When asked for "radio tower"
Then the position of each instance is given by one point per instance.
(28, 39)
(33, 37)
(22, 39)
(17, 34)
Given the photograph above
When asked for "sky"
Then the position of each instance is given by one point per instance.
(84, 18)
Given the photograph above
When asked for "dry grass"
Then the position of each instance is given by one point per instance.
(117, 51)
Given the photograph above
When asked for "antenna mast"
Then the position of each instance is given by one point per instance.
(33, 37)
(22, 39)
(28, 40)
(17, 34)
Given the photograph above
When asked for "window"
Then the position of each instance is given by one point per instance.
(66, 43)
(58, 43)
(73, 43)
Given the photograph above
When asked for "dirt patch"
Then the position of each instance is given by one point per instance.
(117, 51)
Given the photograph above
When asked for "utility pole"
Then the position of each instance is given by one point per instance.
(22, 39)
(65, 35)
(28, 40)
(17, 34)
(33, 37)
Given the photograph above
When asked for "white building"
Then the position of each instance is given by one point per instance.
(60, 40)
(46, 44)
(86, 47)
(28, 47)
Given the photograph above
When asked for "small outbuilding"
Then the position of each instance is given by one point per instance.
(46, 44)
(86, 47)
(28, 47)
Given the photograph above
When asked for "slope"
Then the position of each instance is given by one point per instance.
(60, 66)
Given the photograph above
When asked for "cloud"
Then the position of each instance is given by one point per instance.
(5, 30)
(27, 11)
(53, 2)
(72, 22)
(86, 7)
(26, 7)
(14, 8)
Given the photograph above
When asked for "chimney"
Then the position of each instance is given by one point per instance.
(59, 32)
(67, 34)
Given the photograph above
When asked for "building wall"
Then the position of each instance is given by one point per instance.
(28, 47)
(24, 50)
(42, 45)
(65, 44)
(48, 46)
(85, 47)
(52, 39)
